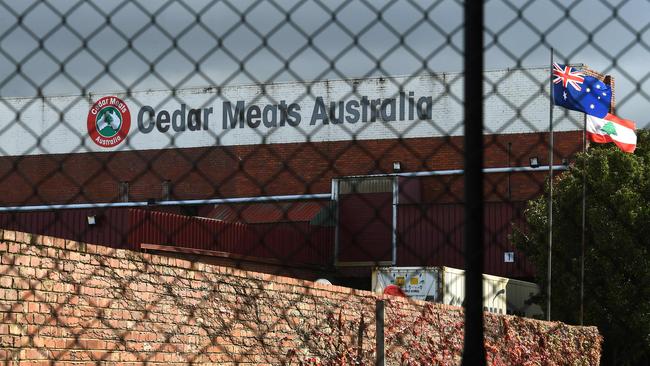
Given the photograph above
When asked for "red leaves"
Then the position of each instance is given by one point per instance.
(419, 334)
(405, 357)
(434, 336)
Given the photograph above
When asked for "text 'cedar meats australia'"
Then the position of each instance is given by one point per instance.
(422, 106)
(241, 114)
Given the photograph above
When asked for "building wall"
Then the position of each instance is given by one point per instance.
(424, 105)
(149, 167)
(427, 235)
(72, 303)
(48, 155)
(433, 235)
(285, 243)
(276, 169)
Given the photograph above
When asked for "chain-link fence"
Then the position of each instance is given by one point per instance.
(333, 140)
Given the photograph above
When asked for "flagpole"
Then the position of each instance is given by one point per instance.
(584, 206)
(550, 192)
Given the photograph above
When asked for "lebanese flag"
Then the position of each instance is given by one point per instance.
(612, 129)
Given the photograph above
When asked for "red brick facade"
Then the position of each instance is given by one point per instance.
(66, 302)
(276, 169)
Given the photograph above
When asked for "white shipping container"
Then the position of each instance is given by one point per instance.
(447, 285)
(518, 295)
(494, 290)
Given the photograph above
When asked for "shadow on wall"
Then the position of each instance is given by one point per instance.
(67, 302)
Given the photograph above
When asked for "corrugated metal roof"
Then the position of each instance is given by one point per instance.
(256, 213)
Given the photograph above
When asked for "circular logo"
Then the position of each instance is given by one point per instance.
(109, 121)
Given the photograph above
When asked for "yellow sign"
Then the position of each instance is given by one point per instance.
(400, 281)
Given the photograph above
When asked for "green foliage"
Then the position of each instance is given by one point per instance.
(617, 247)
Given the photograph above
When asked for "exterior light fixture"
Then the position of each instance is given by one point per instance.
(92, 220)
(397, 166)
(534, 162)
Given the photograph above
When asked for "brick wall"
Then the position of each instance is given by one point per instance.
(276, 169)
(72, 303)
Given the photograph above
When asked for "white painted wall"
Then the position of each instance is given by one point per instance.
(58, 124)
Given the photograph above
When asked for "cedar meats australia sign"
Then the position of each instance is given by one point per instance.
(322, 111)
(109, 121)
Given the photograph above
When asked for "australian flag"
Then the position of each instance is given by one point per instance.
(574, 90)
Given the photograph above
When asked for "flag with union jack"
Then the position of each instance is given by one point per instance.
(574, 90)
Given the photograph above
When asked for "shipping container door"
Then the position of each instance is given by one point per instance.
(365, 221)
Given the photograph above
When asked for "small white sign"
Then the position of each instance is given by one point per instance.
(420, 283)
(509, 257)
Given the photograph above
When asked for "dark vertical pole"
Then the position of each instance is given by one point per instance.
(509, 184)
(394, 220)
(582, 237)
(550, 194)
(379, 333)
(337, 218)
(473, 350)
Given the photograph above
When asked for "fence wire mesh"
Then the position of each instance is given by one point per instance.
(313, 140)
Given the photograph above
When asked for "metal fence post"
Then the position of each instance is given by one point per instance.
(474, 349)
(379, 333)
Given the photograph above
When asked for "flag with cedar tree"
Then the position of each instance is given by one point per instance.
(612, 129)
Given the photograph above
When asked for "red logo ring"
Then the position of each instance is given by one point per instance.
(109, 121)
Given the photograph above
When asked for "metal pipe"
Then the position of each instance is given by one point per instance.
(509, 182)
(550, 194)
(394, 220)
(211, 201)
(277, 198)
(582, 231)
(335, 198)
(513, 169)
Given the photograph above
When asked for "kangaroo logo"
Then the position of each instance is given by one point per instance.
(109, 121)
